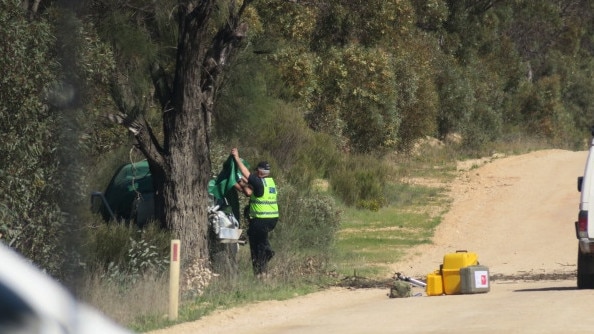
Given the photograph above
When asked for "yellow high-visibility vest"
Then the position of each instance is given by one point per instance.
(265, 206)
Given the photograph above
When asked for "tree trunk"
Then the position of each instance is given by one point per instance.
(200, 61)
(182, 162)
(185, 191)
(186, 128)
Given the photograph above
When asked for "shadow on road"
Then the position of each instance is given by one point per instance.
(551, 288)
(536, 277)
(532, 276)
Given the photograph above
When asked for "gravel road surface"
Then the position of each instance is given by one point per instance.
(517, 213)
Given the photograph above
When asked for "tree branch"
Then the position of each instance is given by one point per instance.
(147, 143)
(163, 90)
(143, 133)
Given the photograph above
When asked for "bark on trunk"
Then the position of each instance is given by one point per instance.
(186, 196)
(182, 162)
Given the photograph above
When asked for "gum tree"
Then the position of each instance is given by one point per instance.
(208, 33)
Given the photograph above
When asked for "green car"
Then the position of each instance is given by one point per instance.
(129, 197)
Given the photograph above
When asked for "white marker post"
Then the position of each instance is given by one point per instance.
(174, 279)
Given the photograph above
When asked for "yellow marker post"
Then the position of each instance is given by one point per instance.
(174, 279)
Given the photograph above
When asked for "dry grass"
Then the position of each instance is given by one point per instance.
(125, 304)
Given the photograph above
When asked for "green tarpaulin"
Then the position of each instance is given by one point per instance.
(222, 187)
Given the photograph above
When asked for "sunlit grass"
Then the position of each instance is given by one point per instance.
(369, 241)
(227, 292)
(416, 199)
(366, 244)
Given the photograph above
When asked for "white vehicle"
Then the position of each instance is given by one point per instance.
(33, 302)
(584, 226)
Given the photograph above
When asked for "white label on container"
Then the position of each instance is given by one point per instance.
(481, 279)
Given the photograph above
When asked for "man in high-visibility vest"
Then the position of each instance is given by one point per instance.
(263, 214)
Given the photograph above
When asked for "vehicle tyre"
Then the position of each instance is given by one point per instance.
(585, 271)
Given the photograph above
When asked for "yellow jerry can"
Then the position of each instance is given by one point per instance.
(434, 285)
(452, 263)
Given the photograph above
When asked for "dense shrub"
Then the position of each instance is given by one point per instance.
(360, 181)
(30, 218)
(305, 232)
(126, 251)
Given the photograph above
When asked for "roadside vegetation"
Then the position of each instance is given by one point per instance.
(363, 108)
(320, 243)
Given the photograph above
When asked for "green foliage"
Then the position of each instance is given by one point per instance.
(304, 235)
(30, 219)
(578, 96)
(486, 119)
(552, 41)
(417, 97)
(545, 112)
(142, 257)
(79, 98)
(431, 14)
(309, 221)
(368, 105)
(141, 36)
(286, 20)
(368, 23)
(266, 128)
(95, 66)
(315, 158)
(125, 253)
(318, 82)
(466, 28)
(376, 81)
(298, 68)
(360, 181)
(363, 112)
(456, 98)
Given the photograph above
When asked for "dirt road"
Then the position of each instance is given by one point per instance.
(516, 213)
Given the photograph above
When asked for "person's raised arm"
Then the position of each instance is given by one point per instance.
(244, 171)
(245, 187)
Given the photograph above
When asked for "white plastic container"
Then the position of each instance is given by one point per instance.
(229, 235)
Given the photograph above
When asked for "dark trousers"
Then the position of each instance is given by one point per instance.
(259, 244)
